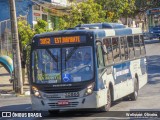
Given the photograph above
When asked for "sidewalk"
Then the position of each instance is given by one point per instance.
(6, 88)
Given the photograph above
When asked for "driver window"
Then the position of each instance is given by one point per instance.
(100, 60)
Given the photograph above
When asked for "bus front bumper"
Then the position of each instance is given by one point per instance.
(95, 100)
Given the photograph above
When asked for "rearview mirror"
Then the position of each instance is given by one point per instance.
(105, 49)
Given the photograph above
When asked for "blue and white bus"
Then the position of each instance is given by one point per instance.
(153, 17)
(86, 69)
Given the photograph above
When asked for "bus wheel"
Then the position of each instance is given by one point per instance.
(109, 101)
(53, 112)
(134, 95)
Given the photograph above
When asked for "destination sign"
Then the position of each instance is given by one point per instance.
(62, 40)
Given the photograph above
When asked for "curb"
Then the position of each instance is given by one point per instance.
(22, 95)
(27, 93)
(13, 95)
(8, 95)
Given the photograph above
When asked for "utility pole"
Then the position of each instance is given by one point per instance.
(15, 47)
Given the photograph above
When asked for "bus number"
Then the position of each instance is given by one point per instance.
(45, 41)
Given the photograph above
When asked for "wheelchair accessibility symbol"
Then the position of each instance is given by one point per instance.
(66, 78)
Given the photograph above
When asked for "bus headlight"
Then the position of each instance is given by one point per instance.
(35, 91)
(89, 90)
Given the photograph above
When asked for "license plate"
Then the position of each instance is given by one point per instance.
(63, 102)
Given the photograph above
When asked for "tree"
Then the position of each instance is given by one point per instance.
(116, 8)
(83, 12)
(143, 5)
(25, 33)
(129, 9)
(41, 26)
(25, 36)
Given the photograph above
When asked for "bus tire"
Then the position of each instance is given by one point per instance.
(134, 95)
(106, 107)
(53, 112)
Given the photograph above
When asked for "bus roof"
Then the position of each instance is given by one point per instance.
(98, 32)
(103, 25)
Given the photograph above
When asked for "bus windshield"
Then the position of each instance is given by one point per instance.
(62, 65)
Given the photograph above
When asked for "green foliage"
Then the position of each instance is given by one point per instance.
(62, 24)
(117, 8)
(41, 26)
(84, 12)
(25, 33)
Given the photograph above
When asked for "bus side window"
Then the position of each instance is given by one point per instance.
(124, 48)
(137, 46)
(116, 49)
(100, 60)
(143, 51)
(130, 47)
(108, 56)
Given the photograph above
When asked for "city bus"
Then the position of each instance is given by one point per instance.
(153, 17)
(86, 69)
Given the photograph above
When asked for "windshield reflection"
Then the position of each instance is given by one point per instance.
(79, 66)
(76, 65)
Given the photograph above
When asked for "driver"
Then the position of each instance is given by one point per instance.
(87, 59)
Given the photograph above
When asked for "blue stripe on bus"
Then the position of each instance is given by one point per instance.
(129, 76)
(126, 31)
(100, 33)
(121, 72)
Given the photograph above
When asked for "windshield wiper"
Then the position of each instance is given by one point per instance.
(54, 58)
(71, 53)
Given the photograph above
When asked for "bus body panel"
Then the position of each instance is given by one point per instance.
(125, 77)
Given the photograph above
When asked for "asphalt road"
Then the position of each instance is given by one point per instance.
(149, 97)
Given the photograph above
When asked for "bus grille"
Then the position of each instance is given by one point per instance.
(61, 90)
(55, 105)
